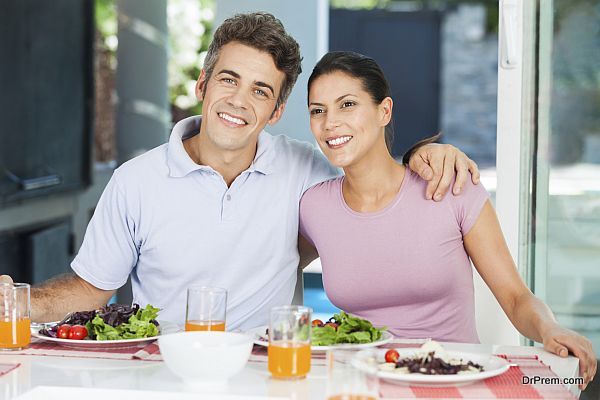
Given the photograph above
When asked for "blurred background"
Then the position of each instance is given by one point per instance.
(88, 84)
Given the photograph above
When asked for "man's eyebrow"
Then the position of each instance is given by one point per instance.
(312, 103)
(265, 85)
(229, 72)
(257, 83)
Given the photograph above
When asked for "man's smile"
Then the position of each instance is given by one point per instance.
(231, 119)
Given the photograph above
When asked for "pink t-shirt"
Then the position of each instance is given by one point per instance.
(404, 266)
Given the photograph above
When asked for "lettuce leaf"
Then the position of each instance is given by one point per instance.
(140, 325)
(350, 329)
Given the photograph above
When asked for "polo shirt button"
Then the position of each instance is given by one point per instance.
(228, 197)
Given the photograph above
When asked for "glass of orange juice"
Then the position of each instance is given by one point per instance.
(348, 379)
(15, 311)
(205, 309)
(289, 342)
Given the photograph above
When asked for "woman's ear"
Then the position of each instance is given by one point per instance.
(385, 111)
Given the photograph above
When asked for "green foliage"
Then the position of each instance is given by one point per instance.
(190, 31)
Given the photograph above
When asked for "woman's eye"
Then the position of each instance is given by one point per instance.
(316, 111)
(227, 80)
(348, 104)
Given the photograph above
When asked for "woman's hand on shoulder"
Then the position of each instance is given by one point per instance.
(439, 164)
(561, 341)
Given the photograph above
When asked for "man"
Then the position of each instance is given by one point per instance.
(218, 204)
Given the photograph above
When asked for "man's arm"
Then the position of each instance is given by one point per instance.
(58, 296)
(438, 163)
(307, 252)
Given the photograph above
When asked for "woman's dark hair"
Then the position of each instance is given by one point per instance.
(363, 68)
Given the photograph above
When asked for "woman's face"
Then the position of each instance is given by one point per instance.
(345, 121)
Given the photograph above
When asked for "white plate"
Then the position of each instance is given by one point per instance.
(492, 366)
(165, 328)
(259, 337)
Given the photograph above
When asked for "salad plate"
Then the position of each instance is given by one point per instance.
(259, 335)
(492, 366)
(165, 328)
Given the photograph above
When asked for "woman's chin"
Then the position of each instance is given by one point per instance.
(339, 162)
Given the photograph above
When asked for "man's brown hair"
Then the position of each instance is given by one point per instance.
(263, 32)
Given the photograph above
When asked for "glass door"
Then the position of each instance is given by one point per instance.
(565, 235)
(548, 162)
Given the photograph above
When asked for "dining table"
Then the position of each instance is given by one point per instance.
(48, 372)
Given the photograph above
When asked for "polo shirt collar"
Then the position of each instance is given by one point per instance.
(180, 164)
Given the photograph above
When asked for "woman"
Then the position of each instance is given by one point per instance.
(390, 255)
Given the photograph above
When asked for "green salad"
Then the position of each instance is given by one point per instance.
(344, 328)
(111, 322)
(141, 324)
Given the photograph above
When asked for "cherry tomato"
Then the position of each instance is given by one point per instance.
(317, 322)
(63, 331)
(77, 332)
(391, 356)
(332, 324)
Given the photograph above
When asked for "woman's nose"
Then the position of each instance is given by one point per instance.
(332, 123)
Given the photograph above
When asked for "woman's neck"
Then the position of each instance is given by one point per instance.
(372, 183)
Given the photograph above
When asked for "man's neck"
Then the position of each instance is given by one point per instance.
(230, 164)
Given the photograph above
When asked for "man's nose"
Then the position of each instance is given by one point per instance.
(238, 99)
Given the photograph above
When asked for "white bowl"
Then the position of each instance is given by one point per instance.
(205, 357)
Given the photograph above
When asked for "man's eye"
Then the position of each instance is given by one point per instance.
(260, 92)
(348, 104)
(316, 111)
(227, 80)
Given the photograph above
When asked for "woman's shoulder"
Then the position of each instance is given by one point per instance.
(324, 189)
(468, 191)
(321, 196)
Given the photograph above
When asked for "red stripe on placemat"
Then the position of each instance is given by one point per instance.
(509, 385)
(436, 393)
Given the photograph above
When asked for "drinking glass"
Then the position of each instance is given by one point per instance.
(346, 380)
(205, 309)
(15, 312)
(289, 342)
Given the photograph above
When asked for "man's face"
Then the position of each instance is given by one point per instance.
(240, 97)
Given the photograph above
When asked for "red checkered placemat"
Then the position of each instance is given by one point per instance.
(146, 352)
(506, 386)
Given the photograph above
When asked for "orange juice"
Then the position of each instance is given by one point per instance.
(289, 360)
(15, 334)
(205, 325)
(349, 396)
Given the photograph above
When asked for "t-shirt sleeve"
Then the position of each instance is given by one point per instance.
(320, 170)
(109, 251)
(468, 205)
(305, 216)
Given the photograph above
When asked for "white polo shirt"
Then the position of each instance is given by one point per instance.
(170, 222)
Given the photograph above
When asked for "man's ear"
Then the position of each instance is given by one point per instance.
(201, 86)
(385, 108)
(276, 116)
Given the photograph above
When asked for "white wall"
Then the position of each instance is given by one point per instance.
(308, 22)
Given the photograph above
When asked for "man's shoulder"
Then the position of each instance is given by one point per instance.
(293, 147)
(145, 166)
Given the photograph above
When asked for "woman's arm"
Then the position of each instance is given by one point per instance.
(486, 246)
